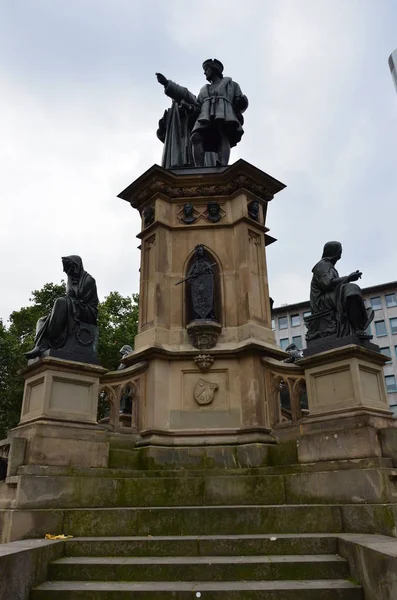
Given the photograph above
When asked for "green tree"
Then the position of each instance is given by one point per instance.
(118, 324)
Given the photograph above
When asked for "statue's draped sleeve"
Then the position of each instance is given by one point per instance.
(179, 93)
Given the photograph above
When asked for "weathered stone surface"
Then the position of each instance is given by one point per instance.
(202, 545)
(24, 565)
(60, 443)
(274, 590)
(373, 561)
(199, 568)
(358, 486)
(338, 445)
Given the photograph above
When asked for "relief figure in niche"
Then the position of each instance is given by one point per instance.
(202, 294)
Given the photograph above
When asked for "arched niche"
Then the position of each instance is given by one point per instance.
(210, 257)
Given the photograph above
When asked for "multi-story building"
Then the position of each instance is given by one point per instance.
(393, 66)
(288, 325)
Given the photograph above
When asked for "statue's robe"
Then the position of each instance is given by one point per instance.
(175, 127)
(79, 305)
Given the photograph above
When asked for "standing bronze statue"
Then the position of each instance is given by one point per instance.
(336, 303)
(71, 325)
(208, 124)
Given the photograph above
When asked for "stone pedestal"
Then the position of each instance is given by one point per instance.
(188, 399)
(61, 389)
(59, 415)
(348, 406)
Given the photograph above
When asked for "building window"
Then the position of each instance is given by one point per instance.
(297, 340)
(282, 323)
(284, 342)
(273, 324)
(386, 352)
(391, 300)
(380, 328)
(390, 383)
(307, 314)
(376, 303)
(393, 325)
(295, 320)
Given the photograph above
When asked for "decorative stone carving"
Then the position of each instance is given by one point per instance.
(148, 216)
(124, 351)
(204, 362)
(204, 392)
(194, 191)
(253, 210)
(188, 213)
(213, 212)
(204, 334)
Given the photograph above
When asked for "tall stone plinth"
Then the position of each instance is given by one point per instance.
(59, 415)
(222, 393)
(348, 407)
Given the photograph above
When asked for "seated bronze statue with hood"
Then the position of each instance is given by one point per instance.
(337, 305)
(71, 325)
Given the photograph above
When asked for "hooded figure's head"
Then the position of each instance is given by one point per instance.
(72, 265)
(332, 251)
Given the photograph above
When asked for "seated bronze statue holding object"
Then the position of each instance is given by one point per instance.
(337, 305)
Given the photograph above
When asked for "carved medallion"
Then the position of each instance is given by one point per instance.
(204, 362)
(204, 392)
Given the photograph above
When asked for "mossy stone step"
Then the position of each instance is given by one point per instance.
(211, 545)
(199, 568)
(234, 590)
(203, 520)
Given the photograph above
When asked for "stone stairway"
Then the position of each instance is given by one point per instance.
(204, 530)
(246, 566)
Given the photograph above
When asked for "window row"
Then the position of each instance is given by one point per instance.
(294, 319)
(391, 385)
(296, 339)
(376, 302)
(380, 327)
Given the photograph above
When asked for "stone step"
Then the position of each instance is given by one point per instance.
(203, 520)
(338, 589)
(199, 568)
(210, 545)
(116, 473)
(350, 486)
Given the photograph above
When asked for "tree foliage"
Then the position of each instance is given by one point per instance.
(118, 325)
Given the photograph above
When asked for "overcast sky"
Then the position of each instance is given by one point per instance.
(79, 106)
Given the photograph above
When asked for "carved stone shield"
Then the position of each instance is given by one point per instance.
(204, 391)
(202, 290)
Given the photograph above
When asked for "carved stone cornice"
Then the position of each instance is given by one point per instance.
(201, 183)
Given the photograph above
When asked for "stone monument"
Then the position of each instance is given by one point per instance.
(348, 405)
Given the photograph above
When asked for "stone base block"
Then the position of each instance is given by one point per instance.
(346, 379)
(54, 443)
(355, 435)
(61, 389)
